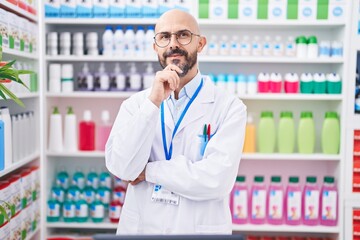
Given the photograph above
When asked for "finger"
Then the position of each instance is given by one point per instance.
(173, 67)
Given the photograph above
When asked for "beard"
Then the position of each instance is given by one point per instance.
(190, 60)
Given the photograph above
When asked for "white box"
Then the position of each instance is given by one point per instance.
(247, 9)
(100, 8)
(337, 9)
(84, 8)
(133, 8)
(218, 9)
(149, 8)
(164, 5)
(117, 8)
(68, 8)
(307, 10)
(52, 8)
(277, 9)
(4, 29)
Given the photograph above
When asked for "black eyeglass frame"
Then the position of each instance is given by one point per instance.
(177, 38)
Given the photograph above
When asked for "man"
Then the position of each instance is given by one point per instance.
(178, 143)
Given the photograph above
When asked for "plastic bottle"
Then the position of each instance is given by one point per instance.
(267, 47)
(53, 211)
(129, 42)
(87, 133)
(102, 79)
(241, 85)
(306, 83)
(5, 117)
(293, 202)
(119, 193)
(92, 179)
(140, 42)
(115, 211)
(213, 48)
(306, 133)
(245, 46)
(103, 130)
(301, 47)
(82, 210)
(239, 201)
(119, 41)
(256, 47)
(278, 47)
(275, 82)
(231, 83)
(104, 194)
(70, 136)
(250, 135)
(55, 131)
(58, 193)
(67, 78)
(251, 84)
(329, 202)
(149, 40)
(73, 193)
(234, 46)
(108, 41)
(311, 202)
(105, 179)
(275, 202)
(313, 49)
(89, 194)
(148, 76)
(263, 82)
(69, 210)
(291, 84)
(62, 179)
(221, 81)
(65, 43)
(91, 41)
(134, 78)
(224, 47)
(324, 49)
(118, 80)
(78, 44)
(85, 80)
(290, 47)
(333, 84)
(97, 210)
(319, 83)
(330, 134)
(266, 133)
(79, 179)
(258, 201)
(286, 133)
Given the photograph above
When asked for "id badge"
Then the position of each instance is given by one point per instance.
(162, 195)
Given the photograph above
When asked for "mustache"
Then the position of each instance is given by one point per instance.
(175, 51)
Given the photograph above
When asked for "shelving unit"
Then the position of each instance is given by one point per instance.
(19, 55)
(20, 164)
(18, 11)
(86, 225)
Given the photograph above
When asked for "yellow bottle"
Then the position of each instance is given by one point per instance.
(250, 136)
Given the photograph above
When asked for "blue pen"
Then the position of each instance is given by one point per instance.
(204, 132)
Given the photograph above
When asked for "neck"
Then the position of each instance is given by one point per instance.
(184, 80)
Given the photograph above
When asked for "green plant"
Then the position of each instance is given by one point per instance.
(4, 207)
(9, 73)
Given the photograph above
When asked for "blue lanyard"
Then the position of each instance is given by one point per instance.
(168, 153)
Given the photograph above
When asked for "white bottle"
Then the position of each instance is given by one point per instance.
(55, 78)
(267, 48)
(224, 48)
(231, 84)
(301, 47)
(21, 138)
(213, 48)
(70, 131)
(129, 42)
(102, 79)
(5, 117)
(26, 135)
(256, 48)
(85, 79)
(278, 47)
(149, 76)
(290, 47)
(139, 42)
(149, 40)
(119, 42)
(313, 49)
(52, 43)
(245, 47)
(78, 44)
(55, 132)
(241, 85)
(235, 46)
(15, 136)
(134, 78)
(92, 43)
(65, 43)
(67, 78)
(118, 79)
(108, 41)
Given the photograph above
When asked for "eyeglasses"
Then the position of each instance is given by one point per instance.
(183, 37)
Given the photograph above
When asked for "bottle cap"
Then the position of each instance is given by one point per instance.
(329, 179)
(140, 28)
(293, 179)
(301, 39)
(56, 110)
(108, 27)
(87, 115)
(276, 179)
(251, 78)
(311, 179)
(312, 39)
(259, 179)
(105, 116)
(150, 28)
(286, 114)
(306, 115)
(331, 115)
(267, 114)
(240, 178)
(70, 111)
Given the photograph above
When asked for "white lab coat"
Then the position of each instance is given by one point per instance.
(203, 183)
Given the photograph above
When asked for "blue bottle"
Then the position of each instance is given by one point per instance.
(89, 194)
(53, 210)
(79, 179)
(69, 211)
(97, 210)
(82, 210)
(105, 179)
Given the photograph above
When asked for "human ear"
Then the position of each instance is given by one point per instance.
(201, 44)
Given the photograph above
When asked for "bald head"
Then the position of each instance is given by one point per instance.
(176, 18)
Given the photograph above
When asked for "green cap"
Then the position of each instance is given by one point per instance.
(70, 111)
(259, 179)
(286, 114)
(301, 39)
(306, 115)
(56, 110)
(331, 115)
(240, 178)
(311, 179)
(293, 179)
(329, 179)
(267, 114)
(312, 39)
(276, 179)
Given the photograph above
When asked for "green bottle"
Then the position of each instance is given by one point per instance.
(79, 179)
(330, 134)
(97, 210)
(306, 133)
(53, 210)
(82, 210)
(89, 194)
(73, 193)
(286, 133)
(266, 133)
(92, 179)
(105, 179)
(104, 194)
(69, 211)
(62, 179)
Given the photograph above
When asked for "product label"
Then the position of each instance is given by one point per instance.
(73, 194)
(258, 204)
(15, 227)
(82, 210)
(311, 204)
(119, 195)
(105, 181)
(275, 210)
(62, 182)
(53, 210)
(329, 205)
(104, 196)
(5, 231)
(5, 196)
(89, 196)
(97, 211)
(79, 181)
(4, 29)
(114, 212)
(294, 205)
(58, 194)
(240, 204)
(16, 195)
(93, 182)
(69, 211)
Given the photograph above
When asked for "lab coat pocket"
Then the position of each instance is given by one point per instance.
(129, 222)
(202, 142)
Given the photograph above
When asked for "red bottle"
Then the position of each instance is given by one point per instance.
(114, 211)
(87, 133)
(119, 194)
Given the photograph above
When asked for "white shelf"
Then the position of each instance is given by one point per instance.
(19, 164)
(99, 58)
(19, 54)
(23, 96)
(92, 94)
(356, 121)
(18, 11)
(94, 154)
(101, 21)
(291, 157)
(286, 96)
(284, 228)
(85, 225)
(33, 234)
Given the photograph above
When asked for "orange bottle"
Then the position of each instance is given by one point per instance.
(250, 136)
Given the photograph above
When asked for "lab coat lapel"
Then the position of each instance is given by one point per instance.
(169, 121)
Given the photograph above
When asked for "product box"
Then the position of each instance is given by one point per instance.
(337, 9)
(292, 9)
(203, 11)
(68, 8)
(22, 4)
(24, 35)
(149, 8)
(4, 29)
(233, 9)
(133, 8)
(263, 7)
(218, 9)
(31, 6)
(84, 8)
(248, 9)
(307, 10)
(52, 8)
(34, 38)
(14, 36)
(165, 5)
(277, 9)
(117, 8)
(101, 8)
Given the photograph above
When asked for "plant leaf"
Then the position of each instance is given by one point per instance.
(0, 53)
(2, 95)
(3, 210)
(20, 72)
(11, 95)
